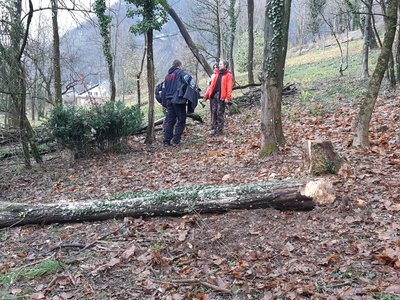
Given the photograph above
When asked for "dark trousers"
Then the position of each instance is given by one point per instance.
(217, 114)
(175, 122)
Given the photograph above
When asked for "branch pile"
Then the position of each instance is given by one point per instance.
(252, 97)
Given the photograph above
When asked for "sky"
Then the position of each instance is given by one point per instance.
(65, 19)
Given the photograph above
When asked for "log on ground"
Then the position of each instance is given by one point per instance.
(282, 195)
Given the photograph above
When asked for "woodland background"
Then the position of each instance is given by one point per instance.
(347, 250)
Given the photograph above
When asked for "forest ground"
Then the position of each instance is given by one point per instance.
(349, 250)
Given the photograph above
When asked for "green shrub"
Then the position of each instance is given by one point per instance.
(70, 128)
(104, 127)
(111, 124)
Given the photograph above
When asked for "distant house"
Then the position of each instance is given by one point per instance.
(85, 95)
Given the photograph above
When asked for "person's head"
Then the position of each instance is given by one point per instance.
(215, 67)
(177, 63)
(223, 64)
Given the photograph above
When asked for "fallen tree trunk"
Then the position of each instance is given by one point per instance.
(282, 195)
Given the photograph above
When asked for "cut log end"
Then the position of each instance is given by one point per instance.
(321, 191)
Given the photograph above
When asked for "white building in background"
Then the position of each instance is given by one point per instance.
(86, 95)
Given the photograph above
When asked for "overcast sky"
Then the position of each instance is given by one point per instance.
(65, 19)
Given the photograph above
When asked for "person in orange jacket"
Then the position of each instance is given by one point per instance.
(220, 93)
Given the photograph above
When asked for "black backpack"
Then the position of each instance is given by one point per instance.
(158, 92)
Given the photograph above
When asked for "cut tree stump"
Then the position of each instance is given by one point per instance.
(282, 195)
(321, 158)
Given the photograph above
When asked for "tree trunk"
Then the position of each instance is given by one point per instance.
(140, 72)
(374, 41)
(391, 71)
(368, 103)
(275, 49)
(233, 21)
(185, 34)
(56, 53)
(150, 136)
(220, 48)
(398, 47)
(22, 105)
(250, 54)
(282, 195)
(366, 45)
(390, 68)
(104, 26)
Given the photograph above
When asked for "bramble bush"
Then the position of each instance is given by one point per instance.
(102, 128)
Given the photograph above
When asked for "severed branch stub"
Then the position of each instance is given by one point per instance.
(321, 158)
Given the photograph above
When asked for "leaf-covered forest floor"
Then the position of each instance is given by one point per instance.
(350, 250)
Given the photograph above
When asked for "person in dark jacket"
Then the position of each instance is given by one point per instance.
(179, 92)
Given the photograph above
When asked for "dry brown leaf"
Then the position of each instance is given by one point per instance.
(128, 252)
(182, 235)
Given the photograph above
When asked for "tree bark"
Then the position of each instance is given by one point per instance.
(366, 41)
(150, 135)
(398, 48)
(250, 54)
(368, 102)
(104, 26)
(233, 15)
(390, 68)
(275, 49)
(282, 195)
(56, 53)
(220, 36)
(185, 34)
(140, 72)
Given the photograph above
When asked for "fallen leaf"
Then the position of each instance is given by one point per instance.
(37, 296)
(393, 289)
(128, 252)
(16, 291)
(182, 235)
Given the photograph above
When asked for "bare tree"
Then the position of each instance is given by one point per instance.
(315, 21)
(366, 39)
(12, 49)
(104, 25)
(139, 74)
(56, 53)
(368, 100)
(250, 30)
(233, 13)
(187, 37)
(398, 48)
(153, 17)
(390, 69)
(343, 65)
